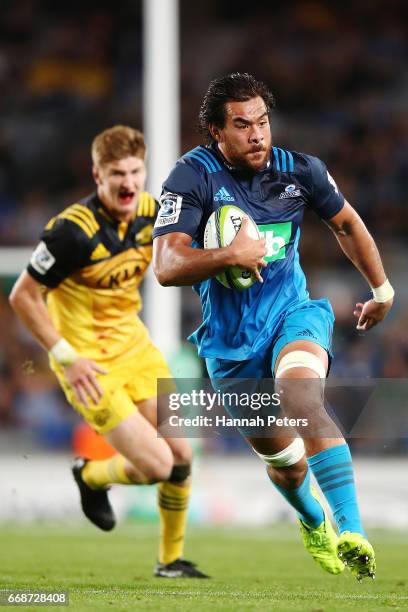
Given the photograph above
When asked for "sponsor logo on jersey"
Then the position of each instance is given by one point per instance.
(123, 274)
(222, 195)
(290, 192)
(170, 207)
(332, 182)
(41, 259)
(277, 237)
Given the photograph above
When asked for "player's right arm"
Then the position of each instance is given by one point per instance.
(176, 262)
(356, 242)
(184, 207)
(27, 300)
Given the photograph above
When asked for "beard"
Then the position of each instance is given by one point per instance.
(254, 159)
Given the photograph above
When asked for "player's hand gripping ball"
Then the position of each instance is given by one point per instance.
(221, 229)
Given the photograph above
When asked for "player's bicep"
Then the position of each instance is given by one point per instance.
(343, 222)
(26, 287)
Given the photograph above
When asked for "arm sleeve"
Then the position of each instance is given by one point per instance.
(62, 249)
(325, 198)
(182, 201)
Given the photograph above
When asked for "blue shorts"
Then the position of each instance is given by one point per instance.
(312, 321)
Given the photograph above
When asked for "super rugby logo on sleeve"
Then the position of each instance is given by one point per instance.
(170, 207)
(42, 259)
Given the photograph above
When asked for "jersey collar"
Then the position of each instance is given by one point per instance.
(102, 210)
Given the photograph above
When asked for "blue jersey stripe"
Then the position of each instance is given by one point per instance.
(277, 164)
(283, 157)
(202, 161)
(291, 162)
(202, 154)
(199, 152)
(211, 157)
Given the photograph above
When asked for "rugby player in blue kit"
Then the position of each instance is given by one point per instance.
(272, 329)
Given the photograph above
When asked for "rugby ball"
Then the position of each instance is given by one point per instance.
(220, 230)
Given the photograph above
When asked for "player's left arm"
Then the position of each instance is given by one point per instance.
(359, 246)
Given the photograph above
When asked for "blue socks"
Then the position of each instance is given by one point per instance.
(308, 508)
(333, 470)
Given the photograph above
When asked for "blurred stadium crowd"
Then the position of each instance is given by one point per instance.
(339, 74)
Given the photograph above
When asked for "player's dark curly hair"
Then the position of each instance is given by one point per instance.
(237, 87)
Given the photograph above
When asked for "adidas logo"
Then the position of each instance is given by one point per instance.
(100, 252)
(307, 333)
(222, 195)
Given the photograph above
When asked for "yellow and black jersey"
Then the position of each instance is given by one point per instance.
(93, 266)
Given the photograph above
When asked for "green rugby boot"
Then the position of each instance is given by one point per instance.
(357, 554)
(321, 543)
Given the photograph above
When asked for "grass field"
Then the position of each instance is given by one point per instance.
(252, 570)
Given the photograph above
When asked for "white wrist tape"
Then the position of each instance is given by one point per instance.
(383, 293)
(63, 352)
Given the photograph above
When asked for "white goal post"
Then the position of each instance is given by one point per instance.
(13, 260)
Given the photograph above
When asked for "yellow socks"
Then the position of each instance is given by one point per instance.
(173, 508)
(172, 499)
(99, 474)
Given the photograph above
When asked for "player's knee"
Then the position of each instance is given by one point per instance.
(303, 396)
(287, 467)
(156, 465)
(158, 469)
(183, 454)
(290, 477)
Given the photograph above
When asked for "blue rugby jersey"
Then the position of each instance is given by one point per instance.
(236, 325)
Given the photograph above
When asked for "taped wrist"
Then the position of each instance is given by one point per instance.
(63, 352)
(383, 293)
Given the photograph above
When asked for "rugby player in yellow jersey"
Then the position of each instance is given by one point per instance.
(88, 267)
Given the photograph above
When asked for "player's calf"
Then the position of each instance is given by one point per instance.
(289, 477)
